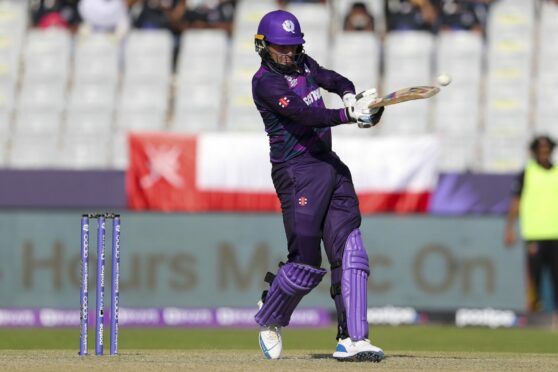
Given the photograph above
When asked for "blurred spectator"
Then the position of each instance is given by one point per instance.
(283, 3)
(55, 13)
(535, 202)
(159, 14)
(358, 18)
(104, 16)
(410, 15)
(458, 15)
(221, 16)
(213, 14)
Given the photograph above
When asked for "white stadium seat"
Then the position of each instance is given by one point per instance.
(96, 59)
(148, 55)
(458, 153)
(96, 123)
(37, 123)
(34, 152)
(143, 95)
(5, 124)
(42, 95)
(119, 153)
(196, 121)
(92, 96)
(83, 152)
(503, 155)
(47, 55)
(140, 120)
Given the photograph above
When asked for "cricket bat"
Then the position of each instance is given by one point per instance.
(404, 95)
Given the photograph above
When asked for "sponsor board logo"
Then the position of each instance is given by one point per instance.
(176, 316)
(487, 318)
(17, 318)
(392, 315)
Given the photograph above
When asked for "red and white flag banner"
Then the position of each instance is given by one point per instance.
(231, 172)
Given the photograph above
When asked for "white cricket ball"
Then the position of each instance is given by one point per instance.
(444, 79)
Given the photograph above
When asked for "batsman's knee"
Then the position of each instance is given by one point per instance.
(292, 282)
(354, 255)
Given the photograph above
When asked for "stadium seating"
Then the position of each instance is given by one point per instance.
(34, 152)
(96, 58)
(13, 23)
(240, 113)
(457, 109)
(118, 152)
(355, 54)
(95, 123)
(546, 108)
(91, 89)
(407, 62)
(510, 33)
(84, 152)
(199, 98)
(458, 153)
(341, 7)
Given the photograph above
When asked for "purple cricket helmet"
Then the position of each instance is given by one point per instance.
(279, 27)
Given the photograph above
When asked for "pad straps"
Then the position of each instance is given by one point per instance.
(292, 282)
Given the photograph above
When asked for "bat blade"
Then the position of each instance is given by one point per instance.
(404, 95)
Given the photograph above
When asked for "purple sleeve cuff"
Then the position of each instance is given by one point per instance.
(343, 116)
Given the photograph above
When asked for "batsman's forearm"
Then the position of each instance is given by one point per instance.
(317, 117)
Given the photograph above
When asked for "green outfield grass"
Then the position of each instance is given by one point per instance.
(410, 348)
(415, 338)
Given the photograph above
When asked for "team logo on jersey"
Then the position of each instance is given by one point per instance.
(292, 81)
(302, 201)
(289, 26)
(284, 102)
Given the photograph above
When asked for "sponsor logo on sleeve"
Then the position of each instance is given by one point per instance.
(284, 102)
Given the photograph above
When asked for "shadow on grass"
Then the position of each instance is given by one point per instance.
(423, 356)
(328, 356)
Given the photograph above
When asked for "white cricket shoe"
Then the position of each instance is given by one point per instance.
(270, 341)
(357, 351)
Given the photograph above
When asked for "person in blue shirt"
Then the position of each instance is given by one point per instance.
(317, 196)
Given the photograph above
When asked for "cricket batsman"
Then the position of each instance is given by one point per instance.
(315, 187)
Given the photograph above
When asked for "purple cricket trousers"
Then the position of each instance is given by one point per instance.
(318, 202)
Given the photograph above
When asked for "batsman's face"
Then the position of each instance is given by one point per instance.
(283, 54)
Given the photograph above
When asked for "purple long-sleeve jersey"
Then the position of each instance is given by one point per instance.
(294, 114)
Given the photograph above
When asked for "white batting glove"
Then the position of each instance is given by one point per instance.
(349, 99)
(359, 111)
